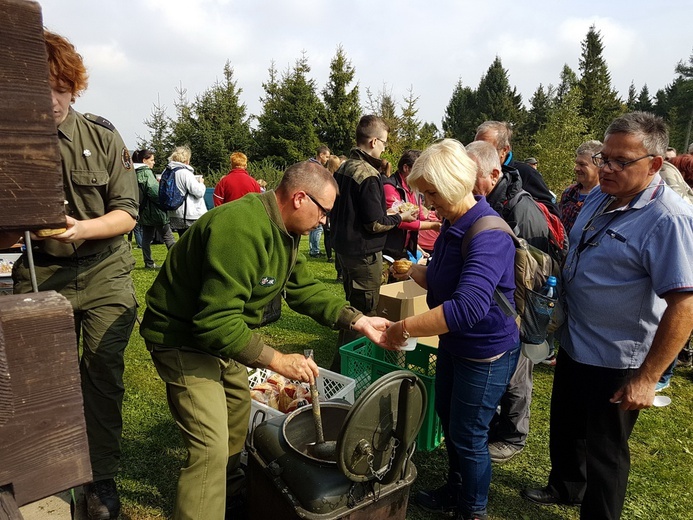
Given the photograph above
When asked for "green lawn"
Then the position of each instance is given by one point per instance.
(661, 481)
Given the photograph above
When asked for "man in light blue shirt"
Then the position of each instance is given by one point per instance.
(628, 280)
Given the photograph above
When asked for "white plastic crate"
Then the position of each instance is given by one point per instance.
(330, 386)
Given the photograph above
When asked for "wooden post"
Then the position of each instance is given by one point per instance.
(31, 185)
(43, 445)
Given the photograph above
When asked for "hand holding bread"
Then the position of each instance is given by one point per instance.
(401, 266)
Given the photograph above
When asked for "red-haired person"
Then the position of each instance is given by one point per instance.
(236, 183)
(90, 263)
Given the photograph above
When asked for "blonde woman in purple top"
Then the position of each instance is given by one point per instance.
(479, 344)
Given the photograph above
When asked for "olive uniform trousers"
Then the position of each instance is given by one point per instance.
(210, 402)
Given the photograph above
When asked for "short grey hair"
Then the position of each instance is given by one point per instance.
(501, 129)
(308, 176)
(446, 166)
(589, 148)
(650, 128)
(485, 156)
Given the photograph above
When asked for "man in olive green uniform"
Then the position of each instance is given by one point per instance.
(90, 264)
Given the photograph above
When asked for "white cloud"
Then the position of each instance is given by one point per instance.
(137, 50)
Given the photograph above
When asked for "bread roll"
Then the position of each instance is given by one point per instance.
(402, 266)
(48, 232)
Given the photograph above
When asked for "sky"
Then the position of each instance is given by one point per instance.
(138, 52)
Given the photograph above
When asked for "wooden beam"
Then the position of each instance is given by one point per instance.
(43, 445)
(31, 182)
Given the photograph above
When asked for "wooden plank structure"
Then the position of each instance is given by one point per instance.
(43, 442)
(31, 186)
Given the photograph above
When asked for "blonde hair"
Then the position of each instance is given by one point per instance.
(238, 160)
(446, 166)
(333, 163)
(181, 154)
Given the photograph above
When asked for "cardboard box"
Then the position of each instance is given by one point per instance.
(401, 299)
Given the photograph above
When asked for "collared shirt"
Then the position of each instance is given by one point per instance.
(97, 177)
(619, 266)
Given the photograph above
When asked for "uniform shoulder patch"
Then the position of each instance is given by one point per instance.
(102, 121)
(125, 158)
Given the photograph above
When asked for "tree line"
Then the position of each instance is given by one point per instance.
(296, 116)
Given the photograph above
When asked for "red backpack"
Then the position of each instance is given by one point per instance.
(558, 238)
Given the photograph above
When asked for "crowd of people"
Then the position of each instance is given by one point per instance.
(627, 281)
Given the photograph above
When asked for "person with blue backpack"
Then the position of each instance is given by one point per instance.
(180, 192)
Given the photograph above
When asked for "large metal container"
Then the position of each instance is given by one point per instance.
(371, 473)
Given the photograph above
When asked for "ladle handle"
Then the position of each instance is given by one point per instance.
(315, 399)
(316, 414)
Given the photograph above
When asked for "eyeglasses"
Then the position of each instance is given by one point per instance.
(323, 210)
(384, 142)
(614, 165)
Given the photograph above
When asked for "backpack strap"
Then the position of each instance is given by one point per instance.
(484, 224)
(185, 195)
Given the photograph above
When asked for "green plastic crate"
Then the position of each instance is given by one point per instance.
(365, 363)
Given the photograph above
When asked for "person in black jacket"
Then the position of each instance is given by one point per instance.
(360, 221)
(499, 133)
(504, 193)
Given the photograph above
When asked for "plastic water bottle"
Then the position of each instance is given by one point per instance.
(549, 290)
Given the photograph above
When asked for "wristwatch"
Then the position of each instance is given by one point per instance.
(405, 332)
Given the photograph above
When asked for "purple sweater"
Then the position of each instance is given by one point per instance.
(478, 327)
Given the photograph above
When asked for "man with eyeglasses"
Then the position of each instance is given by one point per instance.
(628, 280)
(201, 316)
(360, 222)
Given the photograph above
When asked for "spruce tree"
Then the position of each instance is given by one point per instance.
(160, 138)
(600, 103)
(540, 105)
(568, 80)
(684, 105)
(292, 113)
(221, 125)
(342, 107)
(632, 101)
(429, 133)
(496, 99)
(644, 103)
(461, 114)
(183, 128)
(410, 126)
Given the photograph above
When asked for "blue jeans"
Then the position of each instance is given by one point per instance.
(314, 240)
(467, 394)
(666, 376)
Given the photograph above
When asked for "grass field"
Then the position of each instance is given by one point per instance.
(661, 481)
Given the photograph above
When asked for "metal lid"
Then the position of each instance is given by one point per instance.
(381, 426)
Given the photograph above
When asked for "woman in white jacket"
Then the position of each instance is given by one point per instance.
(193, 189)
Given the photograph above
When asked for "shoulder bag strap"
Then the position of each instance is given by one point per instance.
(485, 224)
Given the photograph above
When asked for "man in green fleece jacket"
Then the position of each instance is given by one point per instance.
(201, 311)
